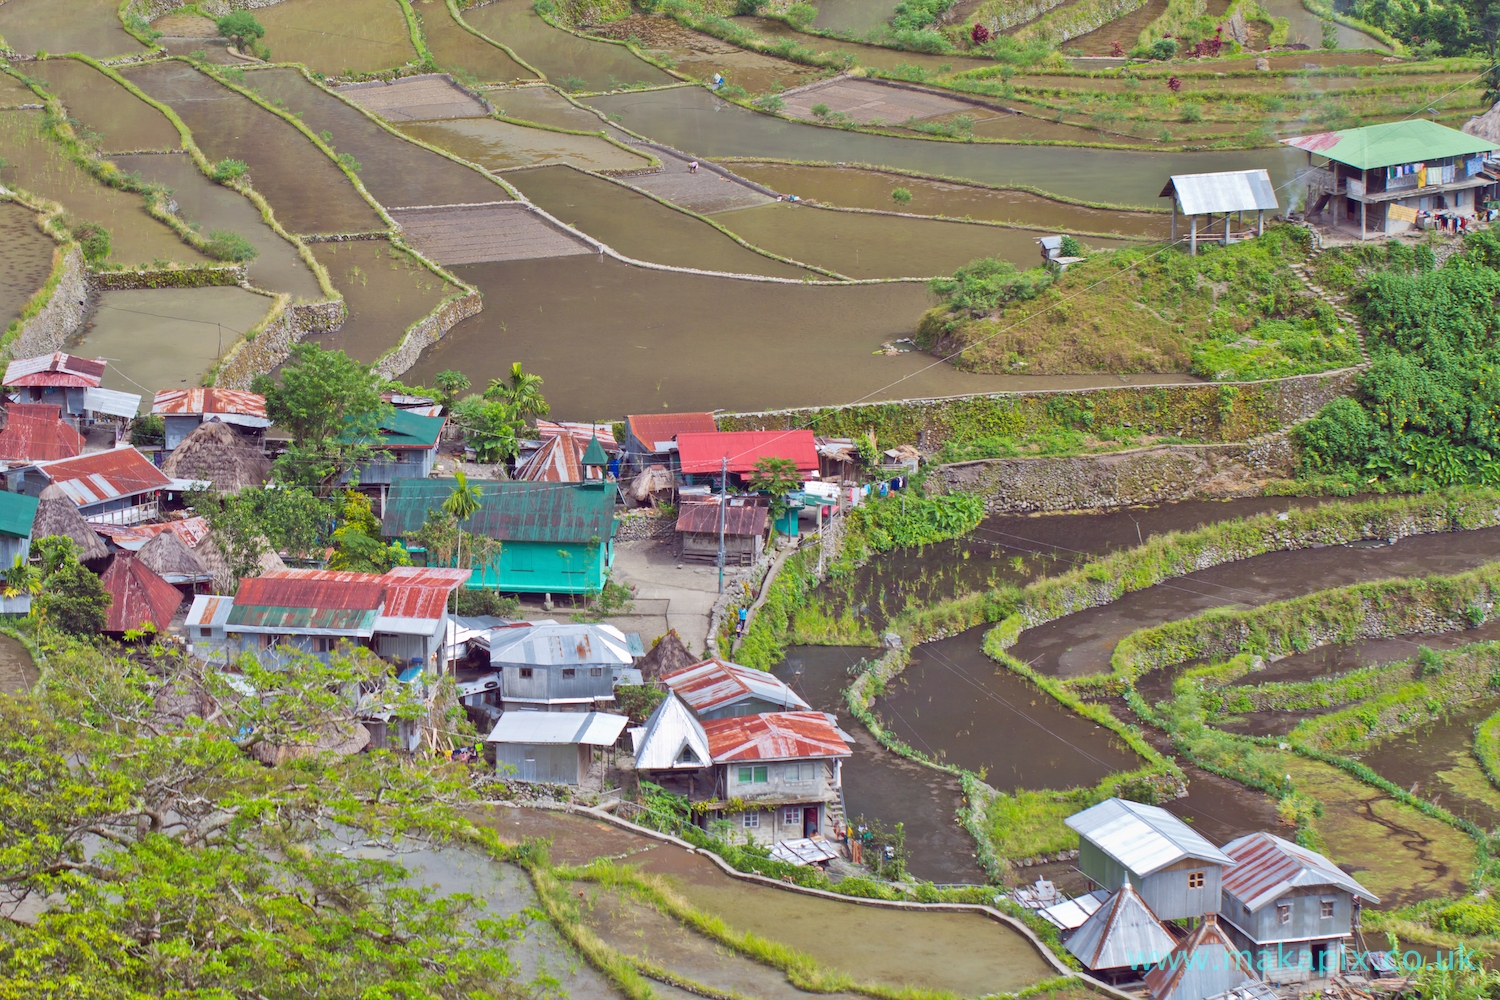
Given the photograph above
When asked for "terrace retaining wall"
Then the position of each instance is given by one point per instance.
(169, 277)
(428, 331)
(643, 524)
(63, 314)
(273, 344)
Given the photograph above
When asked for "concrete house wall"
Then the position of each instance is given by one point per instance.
(1295, 950)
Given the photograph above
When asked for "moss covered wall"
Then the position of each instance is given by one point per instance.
(272, 343)
(51, 327)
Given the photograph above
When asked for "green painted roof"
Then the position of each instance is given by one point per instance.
(594, 454)
(17, 512)
(304, 619)
(510, 511)
(1412, 141)
(404, 429)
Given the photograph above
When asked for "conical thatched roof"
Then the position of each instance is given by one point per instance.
(170, 558)
(58, 515)
(668, 655)
(1485, 126)
(213, 561)
(216, 453)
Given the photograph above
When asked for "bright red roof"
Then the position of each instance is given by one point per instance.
(137, 595)
(55, 369)
(36, 432)
(654, 428)
(104, 475)
(773, 736)
(702, 453)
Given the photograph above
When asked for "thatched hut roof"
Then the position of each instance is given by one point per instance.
(214, 563)
(171, 559)
(58, 515)
(667, 655)
(1485, 126)
(215, 452)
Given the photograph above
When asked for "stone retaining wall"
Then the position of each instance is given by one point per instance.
(644, 525)
(63, 314)
(172, 277)
(1142, 475)
(273, 344)
(428, 331)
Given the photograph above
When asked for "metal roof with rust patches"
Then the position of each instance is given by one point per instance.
(744, 519)
(580, 433)
(36, 432)
(1267, 867)
(510, 511)
(195, 402)
(417, 594)
(657, 430)
(104, 475)
(705, 453)
(137, 595)
(191, 530)
(58, 369)
(714, 683)
(548, 644)
(308, 600)
(774, 736)
(209, 610)
(1212, 957)
(558, 460)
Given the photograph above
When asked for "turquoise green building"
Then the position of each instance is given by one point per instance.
(555, 538)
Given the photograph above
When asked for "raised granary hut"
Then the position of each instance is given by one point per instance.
(218, 454)
(57, 514)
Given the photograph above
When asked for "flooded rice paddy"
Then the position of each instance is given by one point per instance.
(25, 258)
(692, 119)
(1436, 762)
(121, 121)
(385, 291)
(854, 16)
(462, 52)
(1307, 28)
(544, 106)
(166, 338)
(17, 669)
(702, 57)
(570, 62)
(352, 36)
(35, 164)
(91, 26)
(497, 145)
(306, 190)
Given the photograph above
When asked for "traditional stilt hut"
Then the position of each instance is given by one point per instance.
(169, 557)
(215, 453)
(57, 514)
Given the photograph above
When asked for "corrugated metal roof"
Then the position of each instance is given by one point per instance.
(137, 595)
(656, 430)
(550, 645)
(714, 683)
(403, 430)
(596, 729)
(510, 511)
(1226, 191)
(104, 475)
(1143, 838)
(1073, 913)
(741, 519)
(1210, 954)
(209, 610)
(112, 401)
(56, 369)
(17, 514)
(672, 739)
(704, 453)
(1267, 867)
(415, 593)
(297, 599)
(581, 433)
(191, 530)
(1411, 141)
(558, 460)
(804, 851)
(774, 736)
(36, 432)
(198, 402)
(1120, 933)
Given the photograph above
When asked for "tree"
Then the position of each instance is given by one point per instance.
(521, 390)
(358, 545)
(72, 599)
(490, 426)
(331, 405)
(450, 384)
(778, 477)
(241, 28)
(249, 524)
(462, 504)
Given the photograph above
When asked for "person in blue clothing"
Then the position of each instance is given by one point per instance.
(744, 621)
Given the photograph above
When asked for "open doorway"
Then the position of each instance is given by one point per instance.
(810, 821)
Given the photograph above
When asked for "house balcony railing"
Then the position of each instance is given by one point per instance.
(137, 514)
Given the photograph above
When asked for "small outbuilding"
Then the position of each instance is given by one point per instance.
(183, 411)
(651, 438)
(1224, 193)
(137, 595)
(169, 557)
(1206, 964)
(1123, 933)
(704, 456)
(744, 531)
(204, 627)
(217, 454)
(552, 747)
(718, 689)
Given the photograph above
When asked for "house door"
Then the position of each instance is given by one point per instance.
(810, 821)
(528, 766)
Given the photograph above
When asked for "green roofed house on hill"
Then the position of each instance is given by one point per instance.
(17, 512)
(555, 538)
(1378, 180)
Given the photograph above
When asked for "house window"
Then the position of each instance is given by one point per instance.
(750, 819)
(596, 671)
(800, 772)
(325, 643)
(206, 632)
(791, 816)
(525, 673)
(1283, 913)
(1195, 880)
(1325, 909)
(569, 672)
(754, 775)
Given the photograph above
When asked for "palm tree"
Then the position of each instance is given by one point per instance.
(462, 504)
(521, 390)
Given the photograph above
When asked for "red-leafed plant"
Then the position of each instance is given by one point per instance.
(1174, 84)
(1116, 49)
(980, 34)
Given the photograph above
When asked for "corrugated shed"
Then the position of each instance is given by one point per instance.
(36, 432)
(104, 475)
(403, 430)
(595, 729)
(1225, 191)
(552, 644)
(510, 511)
(209, 610)
(17, 514)
(657, 430)
(197, 402)
(704, 453)
(745, 519)
(137, 595)
(1120, 933)
(715, 683)
(1267, 867)
(672, 739)
(581, 433)
(1143, 838)
(1409, 141)
(58, 369)
(1205, 965)
(112, 402)
(774, 736)
(558, 460)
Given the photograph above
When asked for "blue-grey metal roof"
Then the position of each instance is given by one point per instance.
(1120, 933)
(599, 729)
(1227, 191)
(548, 644)
(1142, 838)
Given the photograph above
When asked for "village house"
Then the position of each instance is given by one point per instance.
(220, 456)
(138, 596)
(651, 438)
(119, 486)
(703, 456)
(1227, 193)
(550, 667)
(552, 747)
(17, 516)
(204, 629)
(183, 411)
(1383, 179)
(73, 384)
(555, 538)
(744, 530)
(1291, 909)
(36, 432)
(406, 448)
(562, 459)
(717, 689)
(1205, 964)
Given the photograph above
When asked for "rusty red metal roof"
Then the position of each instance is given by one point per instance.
(714, 683)
(57, 369)
(191, 402)
(744, 519)
(1267, 867)
(296, 599)
(36, 432)
(558, 460)
(703, 453)
(581, 433)
(419, 592)
(137, 595)
(774, 736)
(324, 589)
(105, 475)
(191, 530)
(653, 429)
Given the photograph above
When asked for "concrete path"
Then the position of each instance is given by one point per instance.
(690, 589)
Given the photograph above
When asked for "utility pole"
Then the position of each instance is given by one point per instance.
(723, 500)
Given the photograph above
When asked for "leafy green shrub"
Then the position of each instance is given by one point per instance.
(901, 196)
(801, 14)
(1429, 662)
(770, 102)
(94, 239)
(1340, 435)
(1163, 49)
(979, 287)
(1070, 248)
(226, 245)
(148, 430)
(241, 28)
(914, 15)
(230, 170)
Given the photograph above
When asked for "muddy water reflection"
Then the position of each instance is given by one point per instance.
(568, 61)
(1437, 763)
(90, 26)
(881, 785)
(361, 36)
(17, 669)
(497, 145)
(693, 120)
(384, 290)
(1081, 643)
(123, 121)
(457, 48)
(25, 258)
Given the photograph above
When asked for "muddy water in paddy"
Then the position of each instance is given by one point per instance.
(639, 227)
(544, 106)
(849, 187)
(277, 266)
(693, 120)
(25, 258)
(497, 146)
(612, 338)
(567, 60)
(1081, 643)
(394, 171)
(32, 162)
(1339, 657)
(123, 121)
(857, 16)
(384, 290)
(459, 50)
(90, 26)
(874, 56)
(1305, 26)
(17, 669)
(361, 36)
(14, 93)
(308, 193)
(1436, 762)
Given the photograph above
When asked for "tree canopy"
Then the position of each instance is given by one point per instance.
(332, 407)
